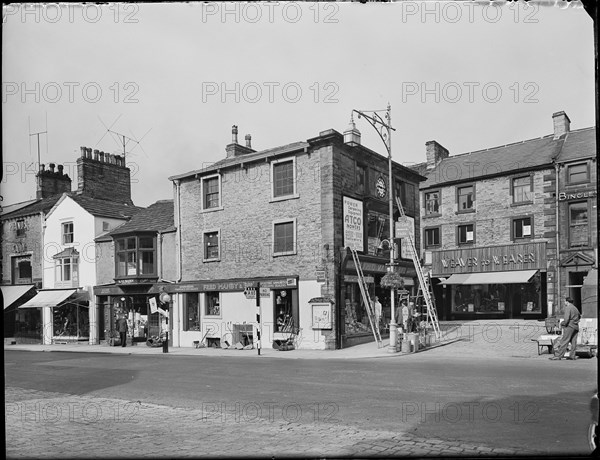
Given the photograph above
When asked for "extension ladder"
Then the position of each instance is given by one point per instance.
(424, 281)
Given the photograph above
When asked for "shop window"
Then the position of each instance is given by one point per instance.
(212, 304)
(135, 256)
(285, 311)
(522, 228)
(66, 271)
(192, 311)
(432, 203)
(20, 227)
(361, 179)
(284, 178)
(72, 321)
(67, 233)
(522, 189)
(432, 237)
(578, 173)
(466, 234)
(211, 246)
(21, 270)
(211, 196)
(284, 237)
(579, 233)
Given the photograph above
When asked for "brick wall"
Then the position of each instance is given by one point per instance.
(246, 224)
(104, 180)
(494, 211)
(28, 244)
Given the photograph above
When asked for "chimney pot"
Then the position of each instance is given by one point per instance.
(248, 141)
(60, 169)
(101, 156)
(42, 167)
(96, 155)
(234, 133)
(83, 152)
(52, 166)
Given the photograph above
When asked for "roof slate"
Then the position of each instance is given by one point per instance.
(156, 217)
(104, 208)
(505, 159)
(579, 144)
(42, 205)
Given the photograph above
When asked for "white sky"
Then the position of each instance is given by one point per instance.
(161, 70)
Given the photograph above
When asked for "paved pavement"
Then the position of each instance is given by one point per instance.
(495, 339)
(41, 424)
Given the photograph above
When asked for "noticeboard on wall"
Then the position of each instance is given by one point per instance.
(321, 316)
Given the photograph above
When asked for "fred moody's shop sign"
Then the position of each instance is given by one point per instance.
(529, 256)
(353, 224)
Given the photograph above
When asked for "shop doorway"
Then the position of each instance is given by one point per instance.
(285, 310)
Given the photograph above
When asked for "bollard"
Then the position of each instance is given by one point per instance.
(165, 343)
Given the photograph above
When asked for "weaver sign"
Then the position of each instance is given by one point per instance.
(353, 224)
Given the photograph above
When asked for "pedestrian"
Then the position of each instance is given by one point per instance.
(122, 327)
(570, 330)
(378, 309)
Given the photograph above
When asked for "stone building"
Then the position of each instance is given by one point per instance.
(29, 244)
(280, 219)
(136, 262)
(489, 224)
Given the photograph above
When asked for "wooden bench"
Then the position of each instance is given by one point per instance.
(546, 340)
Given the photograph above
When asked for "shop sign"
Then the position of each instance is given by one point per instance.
(250, 292)
(321, 276)
(135, 281)
(353, 224)
(563, 196)
(321, 316)
(405, 227)
(490, 259)
(354, 279)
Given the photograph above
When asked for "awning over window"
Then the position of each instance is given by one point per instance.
(515, 277)
(456, 279)
(11, 294)
(49, 298)
(69, 252)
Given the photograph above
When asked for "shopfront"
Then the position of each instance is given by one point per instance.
(221, 313)
(140, 304)
(492, 282)
(356, 327)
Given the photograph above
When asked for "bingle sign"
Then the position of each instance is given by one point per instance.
(562, 196)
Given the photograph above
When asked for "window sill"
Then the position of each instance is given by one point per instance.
(220, 208)
(283, 254)
(465, 211)
(469, 243)
(568, 184)
(211, 260)
(283, 198)
(433, 248)
(213, 316)
(521, 203)
(431, 216)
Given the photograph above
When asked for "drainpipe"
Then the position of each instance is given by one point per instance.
(177, 183)
(557, 296)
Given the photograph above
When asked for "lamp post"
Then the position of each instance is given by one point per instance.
(383, 126)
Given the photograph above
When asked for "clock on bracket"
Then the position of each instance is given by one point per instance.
(381, 187)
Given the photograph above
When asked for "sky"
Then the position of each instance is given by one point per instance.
(173, 78)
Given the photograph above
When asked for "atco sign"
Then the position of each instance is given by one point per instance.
(353, 224)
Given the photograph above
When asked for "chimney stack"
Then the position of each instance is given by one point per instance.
(562, 124)
(435, 154)
(104, 177)
(51, 182)
(234, 149)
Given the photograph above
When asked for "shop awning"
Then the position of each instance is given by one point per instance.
(515, 277)
(456, 279)
(49, 298)
(10, 294)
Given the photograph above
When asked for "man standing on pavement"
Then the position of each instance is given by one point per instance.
(570, 330)
(122, 328)
(378, 310)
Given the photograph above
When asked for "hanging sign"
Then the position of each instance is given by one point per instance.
(353, 224)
